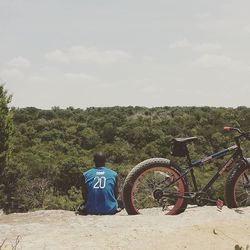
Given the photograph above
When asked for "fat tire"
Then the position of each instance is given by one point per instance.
(138, 170)
(231, 182)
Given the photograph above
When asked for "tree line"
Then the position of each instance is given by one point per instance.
(44, 152)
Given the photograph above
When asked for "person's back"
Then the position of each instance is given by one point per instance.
(100, 198)
(100, 188)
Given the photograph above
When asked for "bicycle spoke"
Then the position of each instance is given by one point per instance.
(245, 202)
(154, 181)
(242, 190)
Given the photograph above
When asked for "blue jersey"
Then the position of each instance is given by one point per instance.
(100, 183)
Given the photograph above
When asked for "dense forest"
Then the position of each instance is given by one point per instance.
(51, 148)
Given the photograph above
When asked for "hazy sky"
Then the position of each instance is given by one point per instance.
(84, 53)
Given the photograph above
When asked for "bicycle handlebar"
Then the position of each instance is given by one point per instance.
(242, 134)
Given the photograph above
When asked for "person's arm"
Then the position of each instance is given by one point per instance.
(84, 189)
(117, 187)
(81, 210)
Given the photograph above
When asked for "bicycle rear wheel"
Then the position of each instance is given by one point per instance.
(237, 189)
(148, 185)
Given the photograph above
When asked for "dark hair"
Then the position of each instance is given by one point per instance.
(99, 159)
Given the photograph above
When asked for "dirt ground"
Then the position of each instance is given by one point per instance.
(196, 228)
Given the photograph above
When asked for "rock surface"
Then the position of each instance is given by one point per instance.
(196, 228)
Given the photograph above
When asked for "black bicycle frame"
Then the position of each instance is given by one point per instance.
(208, 159)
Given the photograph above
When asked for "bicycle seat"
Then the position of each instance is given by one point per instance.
(185, 140)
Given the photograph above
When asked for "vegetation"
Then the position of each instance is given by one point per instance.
(51, 148)
(6, 129)
(13, 246)
(238, 247)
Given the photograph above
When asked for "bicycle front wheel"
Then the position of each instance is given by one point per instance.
(148, 185)
(237, 189)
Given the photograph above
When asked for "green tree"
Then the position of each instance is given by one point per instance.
(6, 128)
(51, 148)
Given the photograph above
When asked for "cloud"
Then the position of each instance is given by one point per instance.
(80, 77)
(200, 47)
(148, 58)
(150, 89)
(207, 47)
(11, 73)
(247, 29)
(83, 54)
(184, 43)
(19, 62)
(203, 15)
(57, 56)
(37, 79)
(209, 61)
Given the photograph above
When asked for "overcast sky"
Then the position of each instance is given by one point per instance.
(85, 53)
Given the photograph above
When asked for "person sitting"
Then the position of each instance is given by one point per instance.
(100, 188)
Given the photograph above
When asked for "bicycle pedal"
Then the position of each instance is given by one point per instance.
(219, 204)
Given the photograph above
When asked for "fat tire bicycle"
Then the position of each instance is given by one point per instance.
(160, 183)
